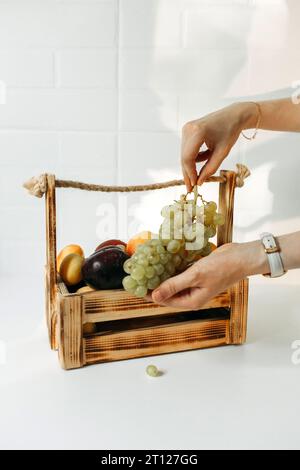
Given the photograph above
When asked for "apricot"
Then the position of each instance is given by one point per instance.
(70, 269)
(137, 240)
(67, 250)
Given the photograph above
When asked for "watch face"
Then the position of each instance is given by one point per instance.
(268, 240)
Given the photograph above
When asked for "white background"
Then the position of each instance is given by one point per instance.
(98, 90)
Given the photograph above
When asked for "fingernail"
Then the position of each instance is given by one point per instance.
(201, 178)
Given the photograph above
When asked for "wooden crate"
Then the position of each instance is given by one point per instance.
(128, 327)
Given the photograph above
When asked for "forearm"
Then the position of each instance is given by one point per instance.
(255, 261)
(276, 115)
(223, 268)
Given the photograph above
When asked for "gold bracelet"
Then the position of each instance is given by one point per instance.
(252, 137)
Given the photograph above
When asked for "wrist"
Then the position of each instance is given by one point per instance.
(289, 250)
(247, 113)
(253, 258)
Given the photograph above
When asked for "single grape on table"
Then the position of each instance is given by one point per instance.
(152, 371)
(183, 239)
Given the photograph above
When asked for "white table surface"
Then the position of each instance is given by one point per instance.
(230, 397)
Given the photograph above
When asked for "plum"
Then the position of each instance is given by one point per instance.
(104, 268)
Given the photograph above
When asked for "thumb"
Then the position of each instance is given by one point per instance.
(174, 285)
(212, 164)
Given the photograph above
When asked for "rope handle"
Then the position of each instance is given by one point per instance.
(37, 185)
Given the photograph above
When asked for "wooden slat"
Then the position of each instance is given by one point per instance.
(238, 315)
(226, 207)
(70, 332)
(117, 304)
(50, 275)
(158, 340)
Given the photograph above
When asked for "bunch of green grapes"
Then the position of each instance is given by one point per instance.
(183, 238)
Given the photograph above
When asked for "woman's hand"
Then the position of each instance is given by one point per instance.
(211, 275)
(219, 131)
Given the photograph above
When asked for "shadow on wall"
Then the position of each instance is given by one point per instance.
(282, 152)
(283, 179)
(200, 68)
(181, 71)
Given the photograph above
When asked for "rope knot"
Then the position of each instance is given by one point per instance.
(242, 173)
(37, 185)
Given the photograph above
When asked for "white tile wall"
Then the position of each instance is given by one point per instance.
(49, 24)
(148, 156)
(59, 109)
(145, 110)
(169, 69)
(87, 68)
(152, 23)
(96, 149)
(27, 68)
(98, 90)
(217, 26)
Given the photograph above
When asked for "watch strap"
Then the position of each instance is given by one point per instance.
(273, 253)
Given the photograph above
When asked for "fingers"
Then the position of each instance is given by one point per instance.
(191, 143)
(174, 285)
(192, 299)
(212, 164)
(148, 297)
(187, 181)
(183, 299)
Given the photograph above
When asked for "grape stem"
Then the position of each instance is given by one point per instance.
(196, 196)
